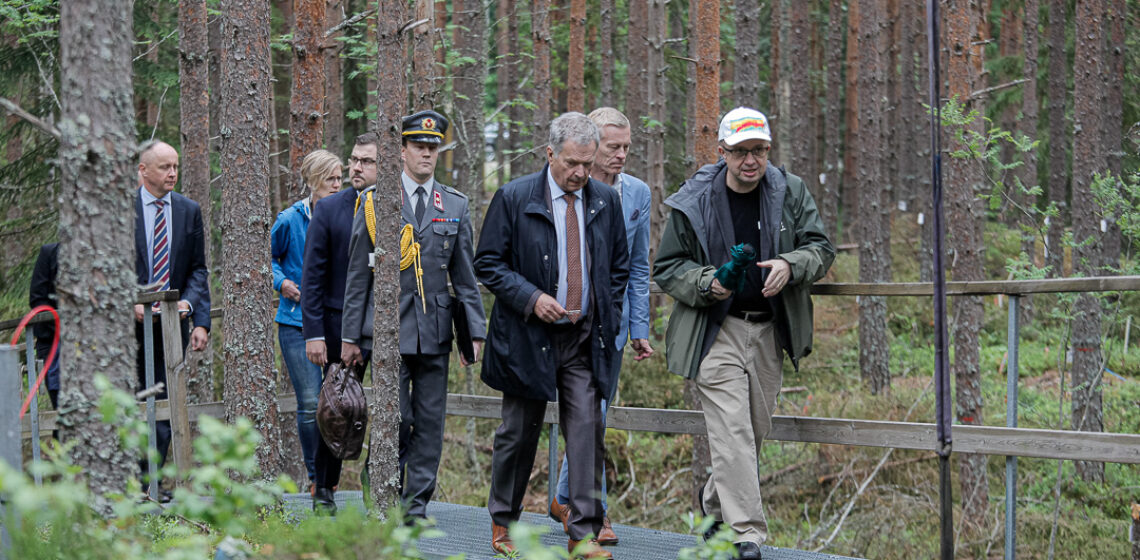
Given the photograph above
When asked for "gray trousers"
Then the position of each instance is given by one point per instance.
(579, 410)
(423, 402)
(739, 383)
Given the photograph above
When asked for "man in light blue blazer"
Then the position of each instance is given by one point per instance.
(636, 201)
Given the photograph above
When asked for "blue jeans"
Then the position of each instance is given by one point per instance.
(306, 377)
(563, 491)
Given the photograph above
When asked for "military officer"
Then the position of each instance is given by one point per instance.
(436, 215)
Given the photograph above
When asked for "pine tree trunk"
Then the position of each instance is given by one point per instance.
(576, 61)
(195, 161)
(1027, 125)
(746, 80)
(606, 98)
(1114, 13)
(965, 217)
(250, 374)
(921, 134)
(306, 105)
(334, 76)
(874, 253)
(468, 121)
(637, 86)
(655, 139)
(1057, 90)
(828, 200)
(504, 77)
(423, 59)
(706, 32)
(1089, 104)
(281, 80)
(796, 132)
(849, 195)
(384, 410)
(540, 35)
(96, 282)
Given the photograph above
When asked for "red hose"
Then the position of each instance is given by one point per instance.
(51, 355)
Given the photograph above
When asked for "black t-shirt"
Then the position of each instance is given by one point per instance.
(745, 211)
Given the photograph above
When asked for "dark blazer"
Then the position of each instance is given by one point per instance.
(188, 272)
(518, 257)
(42, 289)
(325, 266)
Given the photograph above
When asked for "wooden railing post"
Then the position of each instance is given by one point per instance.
(33, 369)
(176, 384)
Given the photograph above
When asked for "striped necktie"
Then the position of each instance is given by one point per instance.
(160, 270)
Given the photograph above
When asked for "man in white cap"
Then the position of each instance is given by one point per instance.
(731, 341)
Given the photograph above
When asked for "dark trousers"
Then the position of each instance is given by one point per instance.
(423, 403)
(579, 410)
(326, 465)
(162, 427)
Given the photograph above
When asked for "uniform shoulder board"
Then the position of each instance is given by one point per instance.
(452, 190)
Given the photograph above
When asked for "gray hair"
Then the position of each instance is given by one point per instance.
(608, 116)
(575, 127)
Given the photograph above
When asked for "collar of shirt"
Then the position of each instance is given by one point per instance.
(148, 199)
(556, 191)
(618, 184)
(410, 186)
(307, 207)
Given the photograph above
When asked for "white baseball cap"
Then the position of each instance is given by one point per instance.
(742, 124)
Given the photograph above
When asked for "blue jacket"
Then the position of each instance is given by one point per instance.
(287, 244)
(517, 259)
(636, 201)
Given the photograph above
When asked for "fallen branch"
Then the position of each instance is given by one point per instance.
(790, 468)
(992, 89)
(151, 391)
(830, 477)
(16, 110)
(796, 389)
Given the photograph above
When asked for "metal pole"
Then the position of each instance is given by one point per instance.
(1011, 422)
(34, 411)
(941, 352)
(148, 350)
(9, 425)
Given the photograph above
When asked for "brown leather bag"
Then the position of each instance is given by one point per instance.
(342, 411)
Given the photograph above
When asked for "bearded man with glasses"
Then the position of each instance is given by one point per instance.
(732, 342)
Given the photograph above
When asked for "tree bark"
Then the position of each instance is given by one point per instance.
(965, 218)
(384, 410)
(795, 85)
(1114, 13)
(334, 76)
(874, 245)
(468, 122)
(423, 58)
(746, 79)
(306, 105)
(850, 193)
(193, 80)
(706, 32)
(655, 138)
(251, 378)
(96, 283)
(1089, 104)
(606, 46)
(1027, 122)
(830, 179)
(540, 36)
(1057, 90)
(637, 85)
(576, 60)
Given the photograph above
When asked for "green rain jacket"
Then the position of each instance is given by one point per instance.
(696, 241)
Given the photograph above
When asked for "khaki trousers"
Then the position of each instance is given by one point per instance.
(739, 382)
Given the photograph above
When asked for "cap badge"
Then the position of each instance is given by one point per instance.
(428, 123)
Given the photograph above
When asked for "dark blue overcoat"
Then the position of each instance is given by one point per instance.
(518, 256)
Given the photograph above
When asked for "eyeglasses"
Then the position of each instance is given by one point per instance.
(759, 152)
(365, 162)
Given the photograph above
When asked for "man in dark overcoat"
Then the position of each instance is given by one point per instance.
(553, 252)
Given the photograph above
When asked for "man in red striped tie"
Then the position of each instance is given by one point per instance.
(170, 254)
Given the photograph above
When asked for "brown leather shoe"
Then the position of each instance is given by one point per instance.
(589, 551)
(560, 513)
(501, 540)
(606, 536)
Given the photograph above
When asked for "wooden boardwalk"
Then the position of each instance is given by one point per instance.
(467, 531)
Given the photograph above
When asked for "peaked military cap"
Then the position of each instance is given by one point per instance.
(425, 126)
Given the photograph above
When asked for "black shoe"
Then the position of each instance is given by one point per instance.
(717, 524)
(323, 501)
(748, 551)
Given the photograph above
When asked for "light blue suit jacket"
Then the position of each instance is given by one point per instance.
(636, 203)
